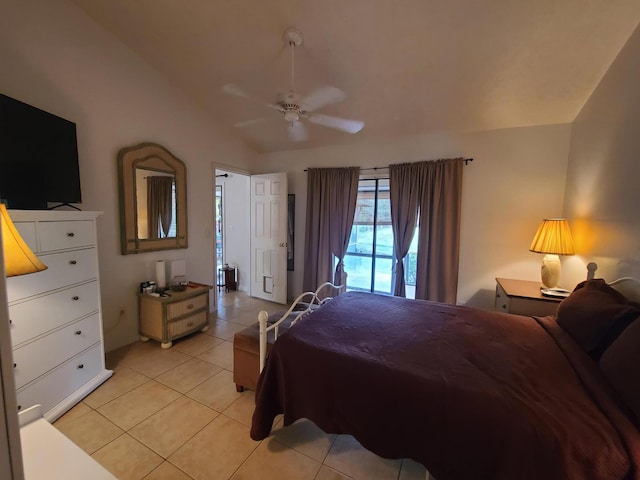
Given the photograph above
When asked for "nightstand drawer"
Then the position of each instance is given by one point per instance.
(186, 325)
(185, 307)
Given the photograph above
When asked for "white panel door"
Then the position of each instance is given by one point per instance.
(269, 237)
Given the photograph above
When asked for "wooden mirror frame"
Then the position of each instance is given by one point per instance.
(160, 159)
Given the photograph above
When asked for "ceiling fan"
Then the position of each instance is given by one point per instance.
(295, 108)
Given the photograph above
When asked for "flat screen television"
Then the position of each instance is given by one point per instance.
(38, 157)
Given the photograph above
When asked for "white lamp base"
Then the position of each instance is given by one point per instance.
(550, 270)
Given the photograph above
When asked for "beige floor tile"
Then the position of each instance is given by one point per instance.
(167, 430)
(411, 470)
(147, 358)
(218, 392)
(122, 381)
(90, 432)
(127, 458)
(138, 404)
(78, 410)
(166, 471)
(216, 451)
(242, 409)
(305, 437)
(196, 343)
(327, 473)
(220, 355)
(188, 375)
(274, 461)
(224, 329)
(349, 457)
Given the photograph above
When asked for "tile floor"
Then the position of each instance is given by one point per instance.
(175, 415)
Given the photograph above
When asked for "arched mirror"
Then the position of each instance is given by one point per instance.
(153, 199)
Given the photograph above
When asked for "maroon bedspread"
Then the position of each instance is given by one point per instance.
(470, 394)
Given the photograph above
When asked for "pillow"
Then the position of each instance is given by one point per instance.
(595, 314)
(620, 362)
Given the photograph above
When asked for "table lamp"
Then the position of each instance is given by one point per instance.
(18, 257)
(552, 238)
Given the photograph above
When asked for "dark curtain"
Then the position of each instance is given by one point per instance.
(439, 236)
(159, 205)
(404, 192)
(331, 205)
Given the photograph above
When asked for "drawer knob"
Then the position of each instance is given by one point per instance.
(81, 366)
(15, 365)
(71, 234)
(190, 306)
(78, 332)
(75, 298)
(72, 262)
(19, 407)
(10, 322)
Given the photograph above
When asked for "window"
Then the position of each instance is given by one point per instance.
(369, 258)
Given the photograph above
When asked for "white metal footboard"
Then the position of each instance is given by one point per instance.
(310, 300)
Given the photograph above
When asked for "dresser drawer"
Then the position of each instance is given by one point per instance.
(38, 357)
(66, 268)
(187, 306)
(65, 235)
(27, 231)
(58, 384)
(186, 325)
(34, 317)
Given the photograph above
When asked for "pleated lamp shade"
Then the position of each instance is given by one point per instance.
(553, 236)
(18, 257)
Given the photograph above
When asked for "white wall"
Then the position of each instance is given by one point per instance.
(603, 193)
(236, 236)
(56, 58)
(517, 178)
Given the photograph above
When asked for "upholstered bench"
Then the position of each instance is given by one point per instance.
(246, 343)
(246, 352)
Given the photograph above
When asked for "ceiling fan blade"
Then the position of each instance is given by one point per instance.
(246, 123)
(297, 131)
(321, 97)
(231, 89)
(349, 126)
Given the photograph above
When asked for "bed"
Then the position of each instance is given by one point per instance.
(468, 393)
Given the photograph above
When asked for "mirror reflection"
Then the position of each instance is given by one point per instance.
(156, 203)
(152, 199)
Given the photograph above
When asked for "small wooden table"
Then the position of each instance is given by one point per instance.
(165, 318)
(523, 297)
(228, 278)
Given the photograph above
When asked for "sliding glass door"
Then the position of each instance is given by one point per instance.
(369, 258)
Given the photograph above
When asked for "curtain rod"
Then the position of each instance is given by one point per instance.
(466, 162)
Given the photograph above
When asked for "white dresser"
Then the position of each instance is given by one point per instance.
(55, 315)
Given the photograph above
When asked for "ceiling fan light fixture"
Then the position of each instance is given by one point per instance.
(291, 116)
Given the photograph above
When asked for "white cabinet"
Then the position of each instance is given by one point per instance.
(56, 321)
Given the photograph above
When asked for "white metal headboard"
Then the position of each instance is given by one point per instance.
(627, 286)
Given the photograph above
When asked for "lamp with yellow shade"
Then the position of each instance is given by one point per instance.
(553, 238)
(18, 257)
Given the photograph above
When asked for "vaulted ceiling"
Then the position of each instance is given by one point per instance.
(406, 66)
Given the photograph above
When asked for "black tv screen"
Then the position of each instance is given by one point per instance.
(38, 157)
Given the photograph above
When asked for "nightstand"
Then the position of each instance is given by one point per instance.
(178, 314)
(523, 297)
